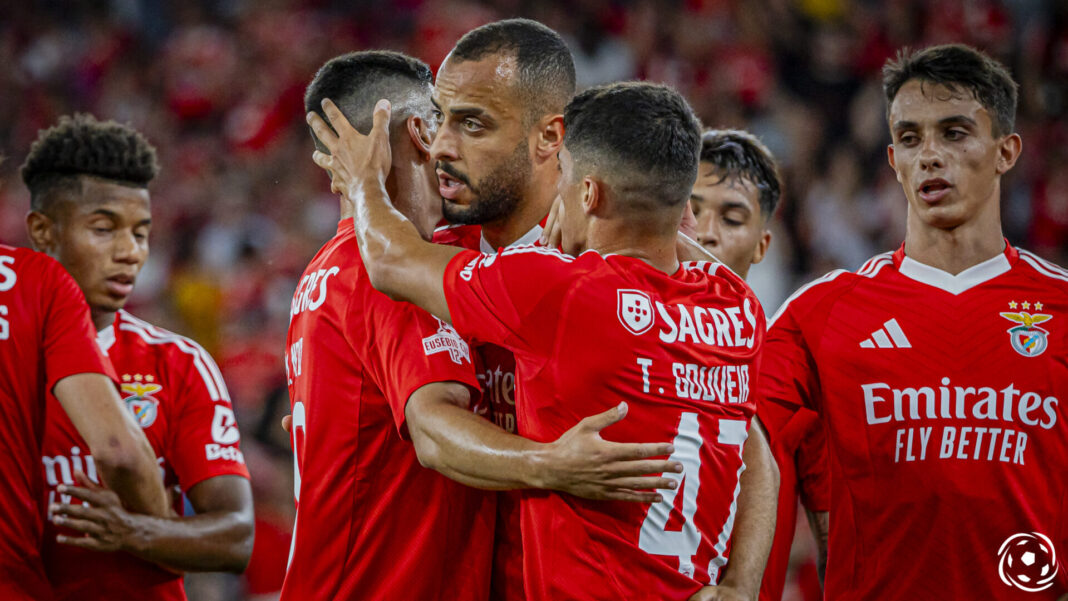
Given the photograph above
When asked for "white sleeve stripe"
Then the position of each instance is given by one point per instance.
(877, 262)
(542, 250)
(1043, 266)
(823, 280)
(209, 371)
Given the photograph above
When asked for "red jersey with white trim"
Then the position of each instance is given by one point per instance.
(45, 336)
(372, 523)
(588, 333)
(801, 454)
(943, 399)
(176, 393)
(495, 366)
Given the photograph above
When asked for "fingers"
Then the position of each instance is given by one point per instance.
(322, 131)
(69, 511)
(551, 222)
(287, 424)
(323, 160)
(84, 526)
(380, 120)
(602, 420)
(84, 481)
(631, 496)
(642, 468)
(99, 496)
(84, 542)
(646, 483)
(628, 451)
(338, 120)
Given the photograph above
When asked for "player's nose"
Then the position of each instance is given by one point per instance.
(930, 156)
(445, 146)
(128, 249)
(707, 232)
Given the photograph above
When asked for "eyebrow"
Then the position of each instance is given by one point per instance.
(463, 111)
(112, 215)
(953, 120)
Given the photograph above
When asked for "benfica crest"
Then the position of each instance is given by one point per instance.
(635, 310)
(1027, 338)
(144, 407)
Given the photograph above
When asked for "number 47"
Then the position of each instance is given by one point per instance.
(654, 537)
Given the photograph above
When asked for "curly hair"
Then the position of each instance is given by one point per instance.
(81, 145)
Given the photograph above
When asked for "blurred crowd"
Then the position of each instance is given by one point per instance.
(239, 208)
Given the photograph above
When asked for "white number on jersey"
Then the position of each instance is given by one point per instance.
(654, 537)
(5, 327)
(298, 426)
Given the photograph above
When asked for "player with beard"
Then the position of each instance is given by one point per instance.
(499, 99)
(734, 198)
(940, 370)
(624, 191)
(90, 209)
(369, 381)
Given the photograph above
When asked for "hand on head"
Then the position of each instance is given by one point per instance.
(352, 157)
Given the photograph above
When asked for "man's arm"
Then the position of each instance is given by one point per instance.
(119, 447)
(754, 526)
(820, 523)
(399, 262)
(467, 448)
(217, 538)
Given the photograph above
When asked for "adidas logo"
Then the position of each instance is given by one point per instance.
(888, 336)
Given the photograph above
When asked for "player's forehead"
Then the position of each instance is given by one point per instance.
(488, 84)
(103, 196)
(921, 102)
(715, 188)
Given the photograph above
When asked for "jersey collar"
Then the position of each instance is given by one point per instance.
(106, 338)
(955, 284)
(526, 239)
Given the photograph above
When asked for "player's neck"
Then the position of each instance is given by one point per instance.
(609, 238)
(957, 249)
(102, 318)
(529, 213)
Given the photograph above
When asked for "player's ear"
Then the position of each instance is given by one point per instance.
(419, 134)
(42, 231)
(762, 247)
(550, 136)
(1009, 149)
(592, 195)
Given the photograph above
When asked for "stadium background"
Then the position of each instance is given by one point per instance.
(239, 208)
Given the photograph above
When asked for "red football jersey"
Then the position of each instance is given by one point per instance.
(495, 366)
(801, 454)
(588, 333)
(175, 391)
(943, 401)
(45, 336)
(371, 522)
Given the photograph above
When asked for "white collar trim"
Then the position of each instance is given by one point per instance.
(527, 239)
(955, 284)
(106, 338)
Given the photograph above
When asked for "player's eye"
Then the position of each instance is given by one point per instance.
(909, 139)
(954, 134)
(437, 116)
(733, 222)
(471, 125)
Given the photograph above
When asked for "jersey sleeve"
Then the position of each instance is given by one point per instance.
(411, 349)
(788, 380)
(204, 436)
(69, 340)
(510, 298)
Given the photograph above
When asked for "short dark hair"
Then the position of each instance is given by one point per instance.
(957, 66)
(358, 80)
(546, 78)
(739, 154)
(642, 138)
(81, 145)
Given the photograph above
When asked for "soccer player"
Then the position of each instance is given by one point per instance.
(734, 198)
(940, 370)
(366, 373)
(47, 344)
(90, 210)
(499, 103)
(626, 321)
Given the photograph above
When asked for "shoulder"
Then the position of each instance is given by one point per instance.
(1045, 273)
(831, 286)
(463, 236)
(173, 353)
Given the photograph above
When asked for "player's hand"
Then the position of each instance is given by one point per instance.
(719, 593)
(551, 235)
(107, 526)
(287, 424)
(353, 158)
(583, 464)
(688, 225)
